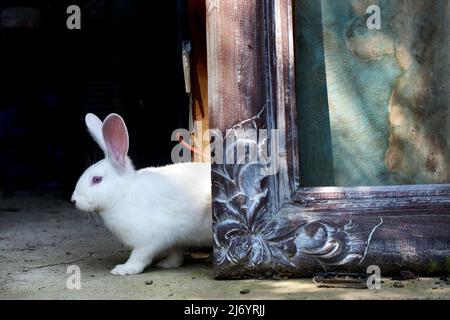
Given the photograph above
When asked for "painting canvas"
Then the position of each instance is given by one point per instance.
(373, 102)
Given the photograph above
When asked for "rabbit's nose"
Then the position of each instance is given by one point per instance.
(73, 200)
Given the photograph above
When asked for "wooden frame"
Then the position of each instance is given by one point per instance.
(265, 225)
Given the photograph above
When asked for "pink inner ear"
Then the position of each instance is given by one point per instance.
(116, 138)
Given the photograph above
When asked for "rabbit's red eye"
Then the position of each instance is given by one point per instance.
(96, 180)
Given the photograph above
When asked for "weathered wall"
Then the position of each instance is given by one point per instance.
(373, 104)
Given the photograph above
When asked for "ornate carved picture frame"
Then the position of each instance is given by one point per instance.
(266, 225)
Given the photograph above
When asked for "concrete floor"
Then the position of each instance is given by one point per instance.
(41, 236)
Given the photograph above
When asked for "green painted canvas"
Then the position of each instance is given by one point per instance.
(373, 104)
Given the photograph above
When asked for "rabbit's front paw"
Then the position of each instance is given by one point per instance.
(126, 269)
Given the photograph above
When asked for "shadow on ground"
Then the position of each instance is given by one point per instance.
(40, 237)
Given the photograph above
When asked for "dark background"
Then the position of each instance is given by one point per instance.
(126, 59)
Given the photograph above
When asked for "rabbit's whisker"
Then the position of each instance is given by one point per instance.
(95, 216)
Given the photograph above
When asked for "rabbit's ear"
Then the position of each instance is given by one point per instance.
(94, 125)
(115, 135)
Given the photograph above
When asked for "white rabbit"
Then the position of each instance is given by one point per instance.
(158, 212)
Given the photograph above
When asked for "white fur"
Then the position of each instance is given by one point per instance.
(155, 211)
